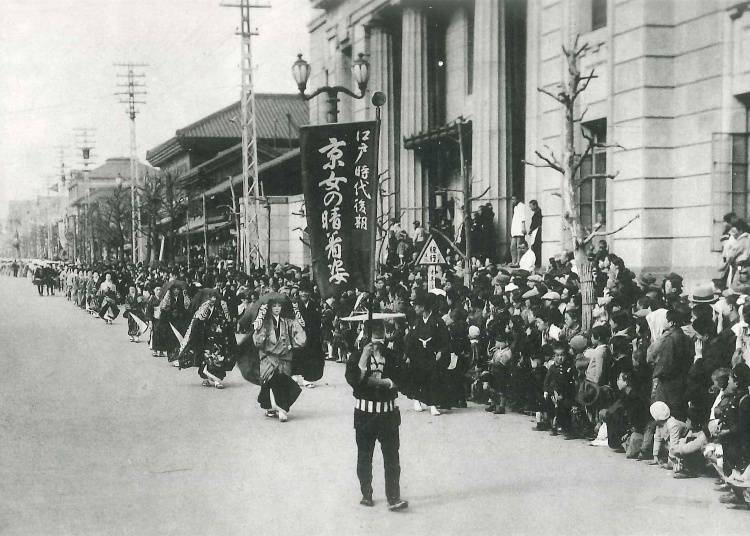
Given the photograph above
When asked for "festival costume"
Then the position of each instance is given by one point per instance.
(108, 300)
(134, 312)
(209, 342)
(275, 340)
(309, 360)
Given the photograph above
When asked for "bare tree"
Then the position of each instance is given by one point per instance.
(162, 200)
(116, 220)
(574, 236)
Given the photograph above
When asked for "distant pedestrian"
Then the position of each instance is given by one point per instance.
(517, 229)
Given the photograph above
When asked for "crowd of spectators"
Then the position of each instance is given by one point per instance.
(661, 376)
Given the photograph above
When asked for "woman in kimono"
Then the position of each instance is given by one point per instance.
(275, 337)
(175, 314)
(134, 312)
(163, 340)
(92, 288)
(209, 343)
(108, 299)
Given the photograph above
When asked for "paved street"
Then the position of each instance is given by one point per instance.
(98, 437)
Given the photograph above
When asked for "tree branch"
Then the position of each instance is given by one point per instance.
(578, 182)
(561, 97)
(586, 81)
(480, 196)
(607, 233)
(450, 242)
(580, 117)
(551, 162)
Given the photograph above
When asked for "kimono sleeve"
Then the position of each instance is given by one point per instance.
(297, 335)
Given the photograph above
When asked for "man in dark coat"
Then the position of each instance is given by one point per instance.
(536, 225)
(308, 361)
(672, 355)
(428, 350)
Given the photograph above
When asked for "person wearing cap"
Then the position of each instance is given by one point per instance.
(374, 375)
(669, 430)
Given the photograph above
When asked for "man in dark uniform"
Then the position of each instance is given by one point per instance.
(308, 361)
(373, 375)
(428, 350)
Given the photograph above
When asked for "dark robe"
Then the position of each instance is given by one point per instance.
(428, 349)
(309, 360)
(536, 247)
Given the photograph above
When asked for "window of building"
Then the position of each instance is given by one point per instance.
(598, 14)
(436, 69)
(592, 194)
(738, 170)
(469, 51)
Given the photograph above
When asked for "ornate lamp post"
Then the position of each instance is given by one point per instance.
(360, 70)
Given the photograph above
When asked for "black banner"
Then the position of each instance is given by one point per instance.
(339, 174)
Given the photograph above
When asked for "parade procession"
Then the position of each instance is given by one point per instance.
(505, 241)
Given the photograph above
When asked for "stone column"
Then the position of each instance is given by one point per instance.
(489, 131)
(381, 79)
(414, 112)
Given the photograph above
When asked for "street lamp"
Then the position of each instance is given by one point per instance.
(360, 70)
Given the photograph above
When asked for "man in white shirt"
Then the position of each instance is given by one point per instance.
(517, 229)
(528, 258)
(418, 232)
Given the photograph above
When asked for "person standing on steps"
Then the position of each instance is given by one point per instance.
(535, 240)
(517, 229)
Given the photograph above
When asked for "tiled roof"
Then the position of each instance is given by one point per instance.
(270, 119)
(118, 166)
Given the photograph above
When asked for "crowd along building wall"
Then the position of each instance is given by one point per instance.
(672, 89)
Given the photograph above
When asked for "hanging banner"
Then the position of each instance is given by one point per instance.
(339, 175)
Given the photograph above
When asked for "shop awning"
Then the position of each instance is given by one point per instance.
(196, 226)
(223, 186)
(445, 132)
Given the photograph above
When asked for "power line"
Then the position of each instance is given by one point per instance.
(249, 134)
(135, 89)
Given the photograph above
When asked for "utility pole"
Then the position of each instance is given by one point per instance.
(249, 136)
(62, 196)
(85, 143)
(133, 90)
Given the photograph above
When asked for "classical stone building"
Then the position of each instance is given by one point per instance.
(454, 76)
(673, 89)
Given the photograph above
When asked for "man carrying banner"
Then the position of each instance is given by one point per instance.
(373, 375)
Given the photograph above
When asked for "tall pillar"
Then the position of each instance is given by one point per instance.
(381, 79)
(414, 112)
(489, 131)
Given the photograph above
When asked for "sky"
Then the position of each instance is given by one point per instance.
(57, 74)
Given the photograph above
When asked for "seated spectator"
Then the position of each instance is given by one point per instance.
(496, 378)
(668, 432)
(560, 389)
(626, 418)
